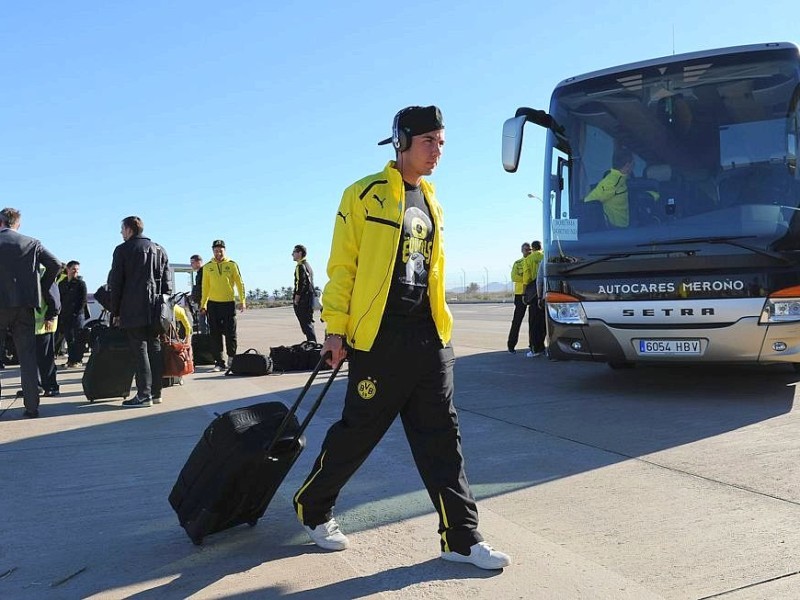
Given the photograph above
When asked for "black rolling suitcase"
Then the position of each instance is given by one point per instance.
(109, 371)
(201, 349)
(239, 463)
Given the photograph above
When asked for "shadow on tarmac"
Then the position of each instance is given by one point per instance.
(112, 521)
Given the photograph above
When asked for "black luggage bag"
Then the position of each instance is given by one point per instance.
(299, 357)
(250, 362)
(239, 463)
(109, 371)
(201, 349)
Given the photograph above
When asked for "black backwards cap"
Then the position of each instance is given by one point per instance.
(415, 120)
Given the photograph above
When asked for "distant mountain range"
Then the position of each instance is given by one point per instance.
(494, 286)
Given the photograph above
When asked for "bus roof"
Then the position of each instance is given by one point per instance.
(679, 58)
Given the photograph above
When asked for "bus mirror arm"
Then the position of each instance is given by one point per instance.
(546, 120)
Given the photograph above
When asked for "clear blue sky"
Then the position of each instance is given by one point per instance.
(245, 120)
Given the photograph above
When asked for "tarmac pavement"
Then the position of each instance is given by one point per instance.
(652, 483)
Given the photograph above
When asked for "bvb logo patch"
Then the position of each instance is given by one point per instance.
(367, 388)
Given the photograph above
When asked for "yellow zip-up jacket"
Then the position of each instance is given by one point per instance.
(531, 266)
(517, 272)
(219, 280)
(612, 192)
(363, 252)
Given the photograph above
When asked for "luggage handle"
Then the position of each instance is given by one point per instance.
(296, 405)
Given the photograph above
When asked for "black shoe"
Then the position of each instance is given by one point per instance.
(52, 393)
(31, 414)
(512, 351)
(137, 402)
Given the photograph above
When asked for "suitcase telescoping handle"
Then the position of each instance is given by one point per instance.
(296, 405)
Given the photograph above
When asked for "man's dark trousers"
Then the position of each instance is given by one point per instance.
(407, 372)
(304, 311)
(22, 323)
(146, 349)
(536, 326)
(45, 360)
(75, 342)
(222, 322)
(516, 322)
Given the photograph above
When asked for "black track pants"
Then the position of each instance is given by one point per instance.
(407, 372)
(222, 322)
(516, 321)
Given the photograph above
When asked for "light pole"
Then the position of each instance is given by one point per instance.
(486, 288)
(463, 284)
(535, 197)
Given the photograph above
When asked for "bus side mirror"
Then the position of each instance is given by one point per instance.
(512, 142)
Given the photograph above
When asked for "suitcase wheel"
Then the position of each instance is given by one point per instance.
(253, 523)
(197, 541)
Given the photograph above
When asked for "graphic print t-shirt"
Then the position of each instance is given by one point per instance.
(408, 294)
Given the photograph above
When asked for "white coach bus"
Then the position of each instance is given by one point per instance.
(703, 264)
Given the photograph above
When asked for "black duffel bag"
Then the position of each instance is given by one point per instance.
(250, 362)
(299, 357)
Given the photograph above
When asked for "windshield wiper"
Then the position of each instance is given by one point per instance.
(729, 240)
(612, 256)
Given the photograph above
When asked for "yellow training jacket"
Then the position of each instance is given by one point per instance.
(517, 271)
(219, 280)
(363, 252)
(531, 266)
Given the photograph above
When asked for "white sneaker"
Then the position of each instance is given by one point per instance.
(156, 399)
(532, 354)
(481, 555)
(217, 368)
(328, 536)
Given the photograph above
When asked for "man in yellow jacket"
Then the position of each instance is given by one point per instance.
(536, 321)
(517, 276)
(221, 281)
(384, 308)
(612, 190)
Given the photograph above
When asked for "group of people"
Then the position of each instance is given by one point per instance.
(385, 311)
(528, 297)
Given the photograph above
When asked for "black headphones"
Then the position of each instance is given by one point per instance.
(401, 136)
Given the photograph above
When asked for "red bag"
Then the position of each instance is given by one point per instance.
(178, 359)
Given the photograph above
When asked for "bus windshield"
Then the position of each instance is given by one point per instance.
(700, 149)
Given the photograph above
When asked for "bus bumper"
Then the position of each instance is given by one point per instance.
(742, 342)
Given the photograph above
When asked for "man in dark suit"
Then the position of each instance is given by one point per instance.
(21, 291)
(139, 273)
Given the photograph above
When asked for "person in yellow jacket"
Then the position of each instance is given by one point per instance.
(221, 282)
(183, 324)
(46, 324)
(612, 190)
(517, 276)
(384, 309)
(536, 321)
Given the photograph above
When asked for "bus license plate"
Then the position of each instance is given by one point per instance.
(669, 346)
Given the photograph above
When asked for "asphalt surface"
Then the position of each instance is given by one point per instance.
(657, 482)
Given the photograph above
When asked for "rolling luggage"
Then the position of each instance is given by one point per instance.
(109, 371)
(239, 463)
(201, 349)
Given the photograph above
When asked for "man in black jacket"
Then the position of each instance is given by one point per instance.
(303, 296)
(73, 313)
(22, 291)
(139, 273)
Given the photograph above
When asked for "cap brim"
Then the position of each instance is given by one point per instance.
(384, 142)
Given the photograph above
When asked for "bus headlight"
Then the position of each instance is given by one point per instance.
(565, 309)
(782, 306)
